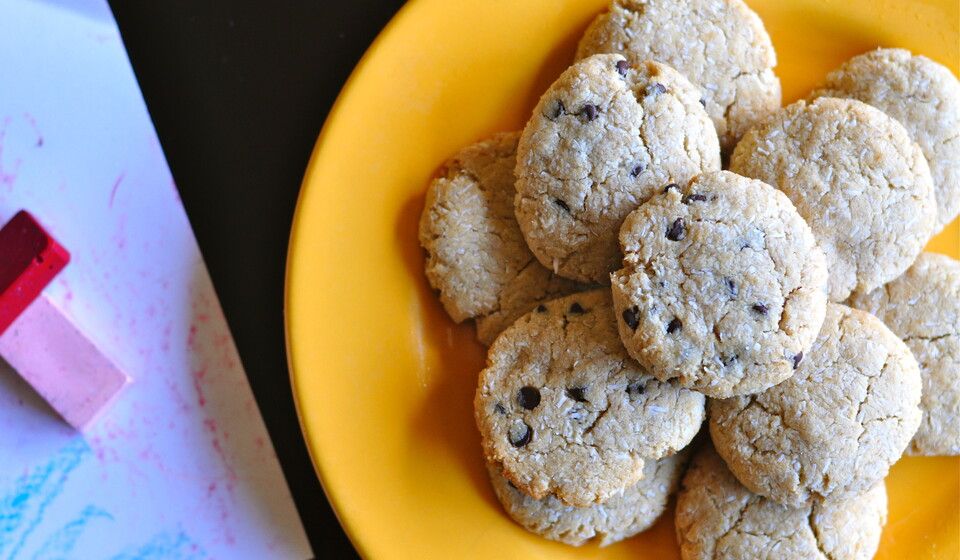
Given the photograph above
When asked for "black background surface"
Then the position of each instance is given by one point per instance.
(238, 92)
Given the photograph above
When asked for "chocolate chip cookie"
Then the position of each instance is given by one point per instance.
(622, 516)
(476, 255)
(718, 519)
(924, 97)
(857, 178)
(922, 307)
(605, 137)
(720, 45)
(722, 285)
(563, 410)
(832, 430)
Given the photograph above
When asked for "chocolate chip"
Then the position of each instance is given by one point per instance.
(631, 316)
(589, 111)
(703, 102)
(528, 397)
(637, 170)
(576, 309)
(541, 308)
(576, 393)
(499, 408)
(636, 388)
(521, 435)
(622, 66)
(656, 89)
(732, 287)
(671, 186)
(558, 110)
(760, 308)
(562, 204)
(677, 230)
(674, 325)
(729, 360)
(696, 197)
(797, 359)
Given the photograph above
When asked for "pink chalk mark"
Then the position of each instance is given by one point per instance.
(182, 403)
(33, 124)
(7, 177)
(116, 186)
(201, 398)
(192, 336)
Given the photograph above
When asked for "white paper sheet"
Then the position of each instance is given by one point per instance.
(181, 466)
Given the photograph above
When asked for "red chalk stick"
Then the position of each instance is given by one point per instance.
(29, 260)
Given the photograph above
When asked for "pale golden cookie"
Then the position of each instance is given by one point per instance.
(857, 178)
(604, 138)
(476, 255)
(564, 411)
(924, 97)
(721, 46)
(718, 519)
(722, 285)
(621, 517)
(833, 430)
(922, 307)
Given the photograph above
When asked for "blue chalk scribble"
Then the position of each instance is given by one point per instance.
(22, 509)
(23, 506)
(165, 546)
(60, 544)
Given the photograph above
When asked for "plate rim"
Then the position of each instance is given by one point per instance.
(352, 532)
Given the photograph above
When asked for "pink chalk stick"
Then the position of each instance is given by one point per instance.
(65, 367)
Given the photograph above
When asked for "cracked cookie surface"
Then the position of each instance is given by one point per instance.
(922, 307)
(924, 97)
(621, 517)
(722, 286)
(605, 137)
(477, 257)
(717, 518)
(720, 45)
(832, 430)
(564, 411)
(856, 177)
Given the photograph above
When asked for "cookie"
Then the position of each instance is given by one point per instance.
(476, 255)
(720, 45)
(717, 518)
(922, 307)
(722, 285)
(563, 410)
(622, 516)
(832, 430)
(856, 177)
(924, 97)
(604, 137)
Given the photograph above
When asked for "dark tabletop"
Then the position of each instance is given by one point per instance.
(238, 91)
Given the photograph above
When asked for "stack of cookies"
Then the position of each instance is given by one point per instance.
(628, 288)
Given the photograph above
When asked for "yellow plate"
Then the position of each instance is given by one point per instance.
(384, 380)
